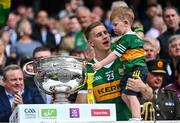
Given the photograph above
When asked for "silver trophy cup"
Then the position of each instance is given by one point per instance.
(58, 75)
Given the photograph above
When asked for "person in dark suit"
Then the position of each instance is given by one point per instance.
(14, 92)
(171, 19)
(41, 31)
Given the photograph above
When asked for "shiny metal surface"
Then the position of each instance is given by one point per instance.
(59, 74)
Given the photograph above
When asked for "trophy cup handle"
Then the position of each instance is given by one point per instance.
(25, 69)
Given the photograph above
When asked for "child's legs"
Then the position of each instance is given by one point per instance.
(125, 99)
(134, 106)
(130, 97)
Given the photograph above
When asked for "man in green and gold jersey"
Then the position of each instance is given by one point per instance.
(106, 84)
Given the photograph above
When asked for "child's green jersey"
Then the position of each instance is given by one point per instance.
(129, 48)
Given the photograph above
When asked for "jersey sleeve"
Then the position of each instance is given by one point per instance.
(121, 46)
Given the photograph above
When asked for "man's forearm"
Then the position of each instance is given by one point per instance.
(147, 92)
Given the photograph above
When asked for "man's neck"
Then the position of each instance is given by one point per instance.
(100, 55)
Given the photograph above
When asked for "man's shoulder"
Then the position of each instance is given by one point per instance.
(31, 89)
(168, 93)
(1, 88)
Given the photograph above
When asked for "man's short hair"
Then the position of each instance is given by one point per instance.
(170, 7)
(10, 67)
(173, 37)
(39, 49)
(90, 27)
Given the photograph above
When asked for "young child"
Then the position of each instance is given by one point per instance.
(130, 50)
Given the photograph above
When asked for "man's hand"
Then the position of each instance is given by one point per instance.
(135, 84)
(17, 100)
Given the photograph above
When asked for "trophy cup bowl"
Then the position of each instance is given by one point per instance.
(58, 75)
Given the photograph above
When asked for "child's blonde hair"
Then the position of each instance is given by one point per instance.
(123, 13)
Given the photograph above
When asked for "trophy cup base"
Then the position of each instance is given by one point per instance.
(61, 98)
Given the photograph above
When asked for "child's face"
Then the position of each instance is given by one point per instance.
(119, 26)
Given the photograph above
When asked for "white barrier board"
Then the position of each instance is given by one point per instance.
(49, 113)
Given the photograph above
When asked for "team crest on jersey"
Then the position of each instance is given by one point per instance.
(121, 71)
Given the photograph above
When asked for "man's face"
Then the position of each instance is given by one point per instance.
(99, 38)
(42, 18)
(14, 81)
(150, 52)
(42, 54)
(84, 18)
(174, 48)
(154, 80)
(171, 19)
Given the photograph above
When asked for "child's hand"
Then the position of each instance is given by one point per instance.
(97, 66)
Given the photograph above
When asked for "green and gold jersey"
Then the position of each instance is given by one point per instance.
(106, 87)
(130, 50)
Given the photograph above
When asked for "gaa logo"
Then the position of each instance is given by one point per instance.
(30, 113)
(29, 110)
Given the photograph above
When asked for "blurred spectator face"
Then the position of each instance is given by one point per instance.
(52, 23)
(74, 25)
(42, 18)
(84, 17)
(154, 80)
(22, 10)
(174, 48)
(30, 13)
(153, 11)
(12, 21)
(25, 28)
(1, 47)
(42, 54)
(65, 24)
(75, 3)
(5, 37)
(150, 51)
(171, 19)
(97, 13)
(158, 23)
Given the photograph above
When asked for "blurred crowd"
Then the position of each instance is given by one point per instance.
(63, 34)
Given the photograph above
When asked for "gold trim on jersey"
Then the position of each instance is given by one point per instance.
(132, 54)
(107, 91)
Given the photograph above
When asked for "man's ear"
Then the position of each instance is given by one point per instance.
(90, 42)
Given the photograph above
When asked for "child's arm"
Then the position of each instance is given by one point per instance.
(111, 57)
